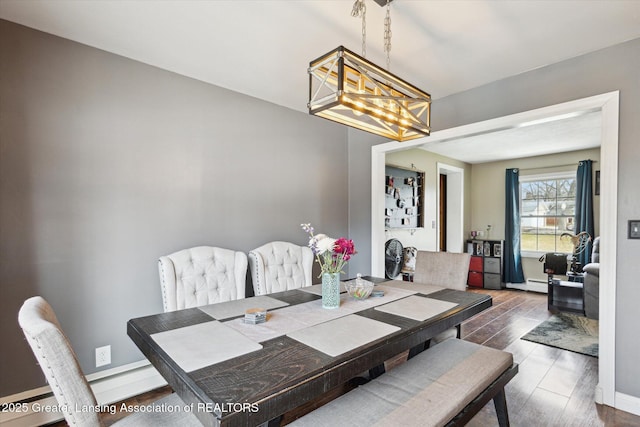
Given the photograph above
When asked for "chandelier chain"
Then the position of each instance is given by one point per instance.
(360, 9)
(387, 35)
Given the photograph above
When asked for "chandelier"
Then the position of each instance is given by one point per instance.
(347, 88)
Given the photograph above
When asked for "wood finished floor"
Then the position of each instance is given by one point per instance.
(552, 388)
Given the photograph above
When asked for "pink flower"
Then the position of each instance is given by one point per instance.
(344, 246)
(331, 254)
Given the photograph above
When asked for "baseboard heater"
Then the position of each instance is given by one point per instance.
(533, 285)
(33, 407)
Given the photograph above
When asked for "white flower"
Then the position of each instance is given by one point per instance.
(324, 243)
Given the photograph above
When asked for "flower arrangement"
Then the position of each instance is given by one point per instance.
(331, 254)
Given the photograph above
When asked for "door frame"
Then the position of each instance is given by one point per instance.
(608, 105)
(455, 190)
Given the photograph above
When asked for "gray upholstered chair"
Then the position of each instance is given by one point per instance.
(592, 283)
(200, 276)
(280, 266)
(69, 385)
(445, 269)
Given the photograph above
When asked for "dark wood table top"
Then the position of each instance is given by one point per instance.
(261, 385)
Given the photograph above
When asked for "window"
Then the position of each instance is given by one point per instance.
(547, 209)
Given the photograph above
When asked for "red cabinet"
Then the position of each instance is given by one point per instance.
(485, 266)
(475, 279)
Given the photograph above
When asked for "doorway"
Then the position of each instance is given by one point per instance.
(608, 105)
(451, 208)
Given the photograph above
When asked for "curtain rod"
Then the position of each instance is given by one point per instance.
(555, 166)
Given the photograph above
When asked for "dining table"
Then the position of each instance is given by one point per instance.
(232, 372)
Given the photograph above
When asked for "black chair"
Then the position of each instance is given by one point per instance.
(554, 263)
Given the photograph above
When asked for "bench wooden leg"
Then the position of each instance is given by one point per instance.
(500, 402)
(376, 371)
(423, 346)
(416, 350)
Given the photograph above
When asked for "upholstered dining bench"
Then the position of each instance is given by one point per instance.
(445, 385)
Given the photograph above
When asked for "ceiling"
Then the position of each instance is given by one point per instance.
(578, 131)
(262, 48)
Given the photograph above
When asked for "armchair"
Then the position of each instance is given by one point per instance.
(200, 276)
(592, 283)
(280, 266)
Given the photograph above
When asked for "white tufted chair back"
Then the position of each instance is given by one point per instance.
(200, 276)
(280, 266)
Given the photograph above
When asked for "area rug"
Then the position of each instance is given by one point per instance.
(568, 332)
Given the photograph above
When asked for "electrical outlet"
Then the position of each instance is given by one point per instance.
(103, 356)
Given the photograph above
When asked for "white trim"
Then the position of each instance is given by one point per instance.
(628, 403)
(608, 105)
(548, 175)
(377, 215)
(121, 383)
(608, 232)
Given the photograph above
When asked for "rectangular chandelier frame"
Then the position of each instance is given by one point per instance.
(346, 88)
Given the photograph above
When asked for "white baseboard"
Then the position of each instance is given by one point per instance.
(533, 285)
(108, 386)
(627, 403)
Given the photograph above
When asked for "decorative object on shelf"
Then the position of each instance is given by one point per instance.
(349, 89)
(332, 256)
(497, 249)
(580, 242)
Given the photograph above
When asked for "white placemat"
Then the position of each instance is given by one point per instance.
(194, 347)
(295, 317)
(342, 335)
(416, 287)
(277, 324)
(416, 307)
(235, 308)
(317, 289)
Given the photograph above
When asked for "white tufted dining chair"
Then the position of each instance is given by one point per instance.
(280, 266)
(60, 366)
(200, 276)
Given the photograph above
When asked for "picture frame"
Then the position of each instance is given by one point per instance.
(497, 249)
(597, 184)
(487, 249)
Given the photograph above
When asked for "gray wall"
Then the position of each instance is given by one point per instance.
(107, 163)
(360, 144)
(614, 68)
